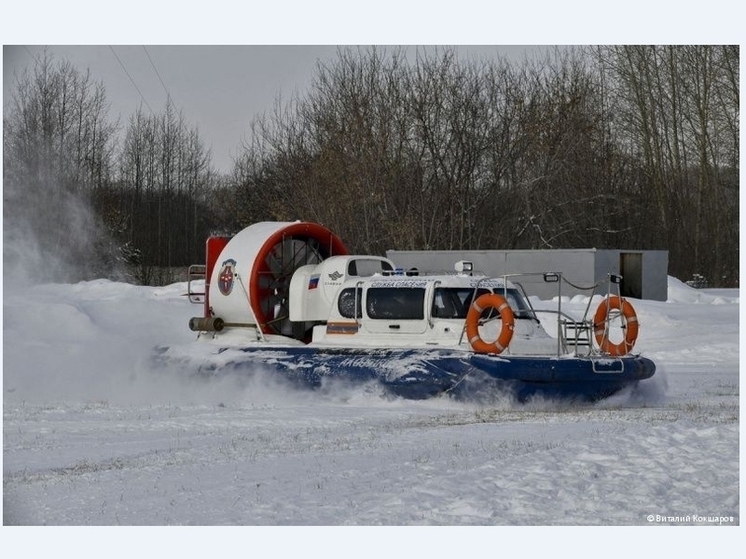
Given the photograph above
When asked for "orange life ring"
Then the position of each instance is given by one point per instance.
(486, 301)
(630, 325)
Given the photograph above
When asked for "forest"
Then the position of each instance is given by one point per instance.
(630, 147)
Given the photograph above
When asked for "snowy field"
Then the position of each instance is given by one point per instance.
(93, 436)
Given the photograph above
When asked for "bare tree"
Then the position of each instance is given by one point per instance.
(165, 177)
(606, 147)
(58, 149)
(678, 104)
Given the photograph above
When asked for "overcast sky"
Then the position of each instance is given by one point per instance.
(220, 89)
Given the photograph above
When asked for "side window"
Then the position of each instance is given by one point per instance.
(347, 302)
(395, 303)
(364, 267)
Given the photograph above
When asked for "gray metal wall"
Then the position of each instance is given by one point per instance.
(582, 267)
(655, 275)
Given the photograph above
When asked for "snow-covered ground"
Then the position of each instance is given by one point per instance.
(92, 435)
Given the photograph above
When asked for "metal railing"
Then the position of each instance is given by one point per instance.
(195, 272)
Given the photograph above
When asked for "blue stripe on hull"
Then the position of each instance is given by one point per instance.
(418, 374)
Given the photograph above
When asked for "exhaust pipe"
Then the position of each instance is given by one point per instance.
(210, 324)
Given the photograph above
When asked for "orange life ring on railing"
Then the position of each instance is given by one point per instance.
(486, 301)
(630, 325)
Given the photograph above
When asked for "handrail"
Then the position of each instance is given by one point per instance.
(260, 332)
(561, 338)
(194, 272)
(473, 298)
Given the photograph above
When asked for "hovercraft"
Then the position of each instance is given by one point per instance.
(288, 298)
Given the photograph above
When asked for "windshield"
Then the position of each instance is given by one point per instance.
(517, 302)
(454, 302)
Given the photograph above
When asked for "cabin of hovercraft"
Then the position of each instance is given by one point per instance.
(369, 301)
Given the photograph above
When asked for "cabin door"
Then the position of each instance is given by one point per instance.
(395, 310)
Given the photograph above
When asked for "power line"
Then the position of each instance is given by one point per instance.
(131, 80)
(168, 94)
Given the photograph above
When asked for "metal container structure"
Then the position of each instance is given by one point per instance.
(644, 272)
